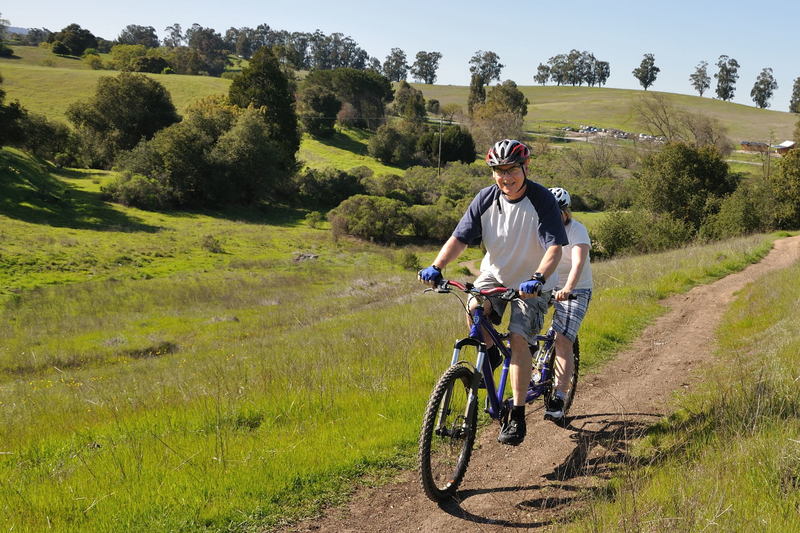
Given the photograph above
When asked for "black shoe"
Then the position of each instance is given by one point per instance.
(512, 433)
(554, 410)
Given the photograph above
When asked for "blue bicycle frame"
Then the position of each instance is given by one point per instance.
(482, 365)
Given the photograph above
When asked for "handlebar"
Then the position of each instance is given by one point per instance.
(504, 293)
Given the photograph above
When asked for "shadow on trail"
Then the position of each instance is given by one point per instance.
(602, 443)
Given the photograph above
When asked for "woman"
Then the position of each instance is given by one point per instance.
(574, 278)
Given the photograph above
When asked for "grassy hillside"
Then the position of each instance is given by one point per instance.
(611, 108)
(179, 371)
(730, 456)
(46, 83)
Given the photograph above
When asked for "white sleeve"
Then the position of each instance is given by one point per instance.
(578, 234)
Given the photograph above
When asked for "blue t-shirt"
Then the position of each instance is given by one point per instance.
(516, 234)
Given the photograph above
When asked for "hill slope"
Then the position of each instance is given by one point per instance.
(611, 108)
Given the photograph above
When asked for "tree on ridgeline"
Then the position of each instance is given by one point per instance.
(395, 67)
(507, 97)
(125, 109)
(763, 88)
(542, 74)
(486, 65)
(602, 72)
(5, 51)
(75, 39)
(700, 78)
(135, 34)
(174, 36)
(425, 66)
(36, 36)
(208, 43)
(726, 76)
(262, 83)
(794, 103)
(647, 71)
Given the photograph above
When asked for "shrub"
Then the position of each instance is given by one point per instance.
(395, 143)
(93, 61)
(45, 138)
(314, 219)
(369, 217)
(409, 260)
(679, 180)
(745, 211)
(59, 48)
(784, 189)
(639, 232)
(139, 191)
(326, 188)
(435, 221)
(212, 244)
(6, 51)
(433, 106)
(456, 145)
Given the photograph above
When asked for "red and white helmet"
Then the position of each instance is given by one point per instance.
(507, 152)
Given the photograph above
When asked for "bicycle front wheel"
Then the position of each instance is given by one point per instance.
(448, 433)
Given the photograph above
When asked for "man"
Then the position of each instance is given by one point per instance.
(519, 223)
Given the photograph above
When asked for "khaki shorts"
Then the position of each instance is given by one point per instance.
(527, 316)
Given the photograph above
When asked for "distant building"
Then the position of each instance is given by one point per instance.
(783, 147)
(753, 146)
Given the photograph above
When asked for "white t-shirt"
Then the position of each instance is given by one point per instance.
(577, 234)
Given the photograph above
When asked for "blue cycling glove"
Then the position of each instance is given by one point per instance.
(533, 285)
(432, 274)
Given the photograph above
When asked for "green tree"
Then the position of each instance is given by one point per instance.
(542, 74)
(369, 217)
(395, 67)
(210, 46)
(684, 182)
(409, 102)
(726, 76)
(174, 36)
(456, 144)
(602, 72)
(486, 65)
(395, 143)
(317, 108)
(763, 88)
(794, 103)
(647, 71)
(75, 39)
(123, 110)
(425, 66)
(135, 34)
(263, 83)
(433, 106)
(477, 93)
(123, 56)
(10, 117)
(700, 78)
(509, 98)
(363, 93)
(785, 192)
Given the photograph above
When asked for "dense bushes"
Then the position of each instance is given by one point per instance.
(404, 142)
(639, 232)
(124, 110)
(218, 154)
(369, 217)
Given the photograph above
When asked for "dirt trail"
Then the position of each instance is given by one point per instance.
(542, 479)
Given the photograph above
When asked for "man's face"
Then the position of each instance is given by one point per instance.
(510, 179)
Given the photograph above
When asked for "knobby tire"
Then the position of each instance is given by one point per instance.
(443, 459)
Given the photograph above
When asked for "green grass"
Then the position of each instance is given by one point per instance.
(552, 107)
(346, 149)
(49, 90)
(149, 383)
(729, 457)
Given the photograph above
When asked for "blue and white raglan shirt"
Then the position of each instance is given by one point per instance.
(516, 234)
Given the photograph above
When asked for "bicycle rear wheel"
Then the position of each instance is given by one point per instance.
(573, 385)
(448, 433)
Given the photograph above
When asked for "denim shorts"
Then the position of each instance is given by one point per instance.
(568, 315)
(527, 316)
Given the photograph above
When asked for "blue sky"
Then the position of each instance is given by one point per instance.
(680, 33)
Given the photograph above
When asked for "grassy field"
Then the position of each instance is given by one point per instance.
(729, 458)
(553, 107)
(166, 371)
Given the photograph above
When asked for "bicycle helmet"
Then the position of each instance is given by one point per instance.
(507, 152)
(562, 197)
